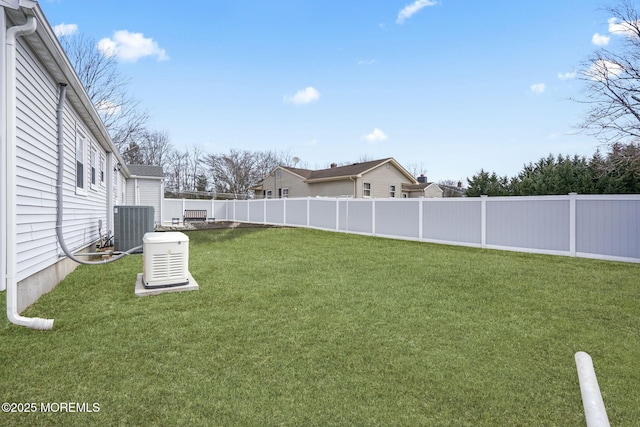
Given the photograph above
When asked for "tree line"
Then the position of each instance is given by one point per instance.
(616, 172)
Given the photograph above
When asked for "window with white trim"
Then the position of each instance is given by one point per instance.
(285, 192)
(392, 191)
(103, 167)
(268, 194)
(93, 171)
(366, 189)
(81, 149)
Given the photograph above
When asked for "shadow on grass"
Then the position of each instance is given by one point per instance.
(220, 235)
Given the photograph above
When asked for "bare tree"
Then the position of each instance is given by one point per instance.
(416, 169)
(176, 171)
(612, 78)
(107, 89)
(238, 171)
(155, 146)
(232, 173)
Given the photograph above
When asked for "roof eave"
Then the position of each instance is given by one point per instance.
(52, 55)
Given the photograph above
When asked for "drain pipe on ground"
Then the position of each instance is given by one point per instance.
(60, 194)
(11, 170)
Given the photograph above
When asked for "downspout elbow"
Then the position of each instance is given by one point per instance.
(27, 28)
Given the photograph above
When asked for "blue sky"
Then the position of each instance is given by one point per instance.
(452, 86)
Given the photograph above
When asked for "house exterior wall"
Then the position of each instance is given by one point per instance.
(37, 97)
(40, 66)
(433, 191)
(331, 189)
(297, 187)
(146, 192)
(381, 179)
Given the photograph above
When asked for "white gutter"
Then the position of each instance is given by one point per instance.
(10, 181)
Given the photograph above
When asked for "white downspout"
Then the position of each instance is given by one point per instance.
(11, 187)
(3, 152)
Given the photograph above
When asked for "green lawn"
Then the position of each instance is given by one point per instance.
(305, 327)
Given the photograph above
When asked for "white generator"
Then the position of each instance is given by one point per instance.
(165, 258)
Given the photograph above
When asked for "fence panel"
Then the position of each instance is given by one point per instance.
(355, 216)
(297, 212)
(241, 210)
(454, 220)
(172, 208)
(609, 227)
(220, 210)
(275, 211)
(398, 218)
(322, 213)
(537, 223)
(256, 212)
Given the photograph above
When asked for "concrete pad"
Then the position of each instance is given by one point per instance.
(141, 291)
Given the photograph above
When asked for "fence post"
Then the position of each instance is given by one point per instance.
(420, 222)
(308, 211)
(337, 214)
(284, 211)
(594, 410)
(373, 217)
(572, 223)
(483, 220)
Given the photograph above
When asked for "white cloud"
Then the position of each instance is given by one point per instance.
(538, 88)
(622, 28)
(600, 40)
(376, 136)
(366, 62)
(63, 29)
(304, 96)
(602, 70)
(129, 47)
(567, 76)
(109, 108)
(409, 10)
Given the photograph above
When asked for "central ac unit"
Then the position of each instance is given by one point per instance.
(130, 225)
(165, 259)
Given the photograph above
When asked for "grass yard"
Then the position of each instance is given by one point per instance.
(305, 327)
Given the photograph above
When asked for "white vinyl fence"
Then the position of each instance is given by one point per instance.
(591, 226)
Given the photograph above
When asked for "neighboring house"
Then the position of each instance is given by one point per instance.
(423, 188)
(145, 187)
(43, 103)
(378, 178)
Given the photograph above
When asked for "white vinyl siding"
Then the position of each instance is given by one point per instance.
(36, 180)
(146, 192)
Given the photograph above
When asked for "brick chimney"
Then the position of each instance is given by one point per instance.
(334, 165)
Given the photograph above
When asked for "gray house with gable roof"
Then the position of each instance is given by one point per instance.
(384, 178)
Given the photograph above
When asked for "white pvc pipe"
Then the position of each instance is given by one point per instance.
(11, 187)
(594, 410)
